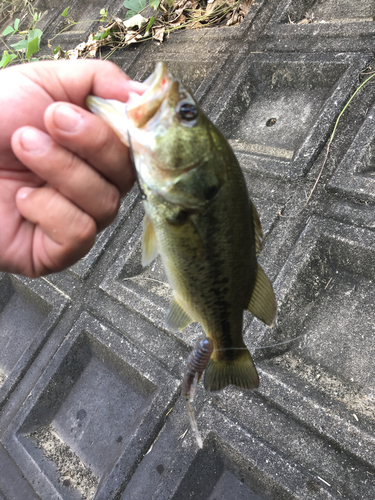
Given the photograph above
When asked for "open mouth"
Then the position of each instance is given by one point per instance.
(141, 108)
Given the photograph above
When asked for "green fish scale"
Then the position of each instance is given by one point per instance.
(210, 259)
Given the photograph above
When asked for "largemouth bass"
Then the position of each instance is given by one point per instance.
(199, 218)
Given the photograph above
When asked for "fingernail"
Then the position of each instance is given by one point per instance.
(66, 118)
(23, 192)
(34, 140)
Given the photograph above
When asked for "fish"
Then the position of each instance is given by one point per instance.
(200, 219)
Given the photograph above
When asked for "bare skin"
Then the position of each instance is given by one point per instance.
(63, 171)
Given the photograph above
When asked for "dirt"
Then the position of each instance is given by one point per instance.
(72, 471)
(352, 396)
(3, 378)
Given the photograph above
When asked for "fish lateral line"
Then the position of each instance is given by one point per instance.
(261, 346)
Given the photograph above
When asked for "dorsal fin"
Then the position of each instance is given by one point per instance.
(257, 230)
(177, 318)
(263, 302)
(149, 243)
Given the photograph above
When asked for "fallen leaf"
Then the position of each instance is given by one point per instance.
(81, 46)
(120, 23)
(192, 4)
(197, 13)
(158, 33)
(178, 20)
(60, 54)
(73, 54)
(137, 20)
(176, 13)
(212, 6)
(245, 6)
(132, 37)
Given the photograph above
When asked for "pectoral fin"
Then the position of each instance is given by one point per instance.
(263, 302)
(149, 243)
(177, 318)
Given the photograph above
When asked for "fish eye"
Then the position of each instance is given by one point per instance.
(188, 111)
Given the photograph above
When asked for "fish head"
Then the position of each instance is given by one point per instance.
(168, 127)
(169, 135)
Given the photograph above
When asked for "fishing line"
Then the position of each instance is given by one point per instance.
(226, 348)
(261, 346)
(280, 343)
(189, 385)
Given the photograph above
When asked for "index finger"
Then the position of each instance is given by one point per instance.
(93, 140)
(72, 81)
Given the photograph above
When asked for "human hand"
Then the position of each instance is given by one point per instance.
(62, 169)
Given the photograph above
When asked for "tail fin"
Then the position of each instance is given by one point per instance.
(240, 372)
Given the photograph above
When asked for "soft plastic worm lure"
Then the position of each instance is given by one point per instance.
(196, 364)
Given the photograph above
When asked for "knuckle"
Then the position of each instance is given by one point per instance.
(69, 164)
(108, 146)
(84, 230)
(103, 140)
(111, 203)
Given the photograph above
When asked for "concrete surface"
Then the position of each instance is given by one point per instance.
(89, 375)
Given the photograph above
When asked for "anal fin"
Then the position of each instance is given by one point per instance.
(263, 302)
(149, 243)
(177, 318)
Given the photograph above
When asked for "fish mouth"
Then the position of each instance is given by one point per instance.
(156, 78)
(141, 108)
